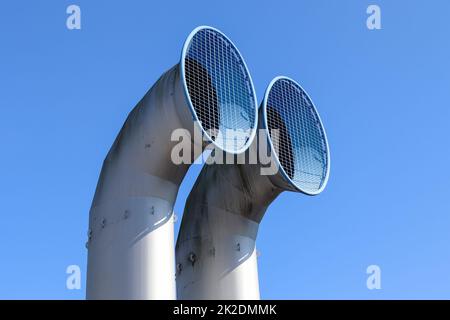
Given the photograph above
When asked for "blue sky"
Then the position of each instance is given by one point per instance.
(383, 95)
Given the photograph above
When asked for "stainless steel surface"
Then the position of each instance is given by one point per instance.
(131, 241)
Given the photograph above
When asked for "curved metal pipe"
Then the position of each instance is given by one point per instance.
(215, 251)
(131, 237)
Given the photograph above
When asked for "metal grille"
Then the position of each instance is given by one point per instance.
(220, 89)
(299, 138)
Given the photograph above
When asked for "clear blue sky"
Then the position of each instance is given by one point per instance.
(383, 95)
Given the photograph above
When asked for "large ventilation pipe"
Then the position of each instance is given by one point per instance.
(131, 238)
(215, 251)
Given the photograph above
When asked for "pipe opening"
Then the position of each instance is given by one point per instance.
(219, 89)
(300, 143)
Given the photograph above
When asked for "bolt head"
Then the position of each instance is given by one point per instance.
(192, 257)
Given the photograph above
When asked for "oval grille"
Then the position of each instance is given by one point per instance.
(220, 89)
(297, 135)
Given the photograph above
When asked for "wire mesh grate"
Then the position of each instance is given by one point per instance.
(299, 138)
(220, 89)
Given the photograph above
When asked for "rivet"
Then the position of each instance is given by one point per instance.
(192, 258)
(152, 211)
(179, 267)
(238, 246)
(89, 237)
(103, 223)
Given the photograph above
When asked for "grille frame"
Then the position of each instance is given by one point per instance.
(251, 88)
(296, 186)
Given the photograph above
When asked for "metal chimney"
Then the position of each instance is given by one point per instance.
(131, 237)
(215, 251)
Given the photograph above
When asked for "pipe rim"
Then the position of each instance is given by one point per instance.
(188, 97)
(266, 127)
